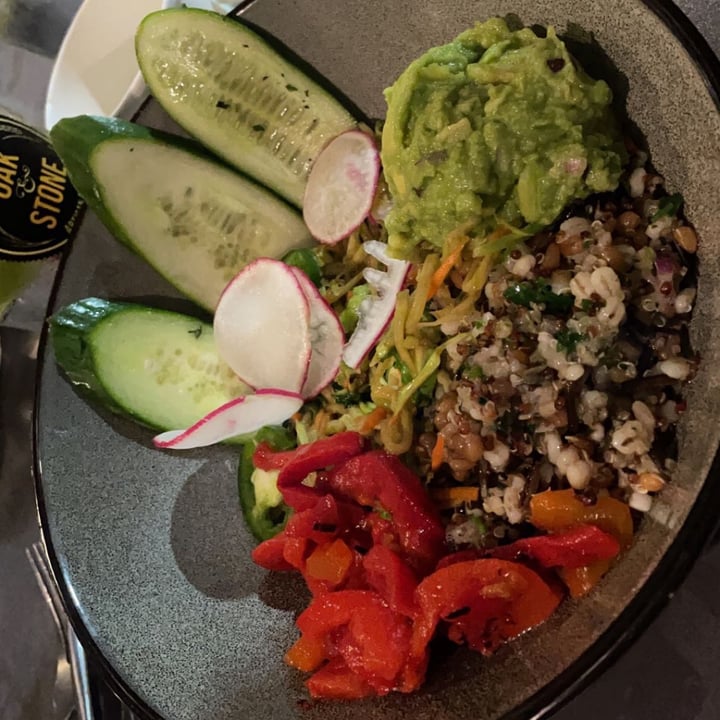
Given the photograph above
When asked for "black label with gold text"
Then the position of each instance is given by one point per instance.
(39, 208)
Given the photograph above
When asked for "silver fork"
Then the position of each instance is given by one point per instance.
(71, 696)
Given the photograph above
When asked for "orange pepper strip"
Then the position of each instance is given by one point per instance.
(438, 452)
(307, 653)
(559, 509)
(438, 277)
(580, 581)
(330, 562)
(372, 420)
(446, 498)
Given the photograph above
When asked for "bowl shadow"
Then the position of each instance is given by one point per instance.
(208, 537)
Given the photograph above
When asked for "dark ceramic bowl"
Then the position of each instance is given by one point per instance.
(150, 548)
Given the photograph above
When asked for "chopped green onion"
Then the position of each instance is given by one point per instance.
(568, 340)
(539, 292)
(474, 372)
(669, 206)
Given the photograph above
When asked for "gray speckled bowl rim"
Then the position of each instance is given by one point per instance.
(670, 571)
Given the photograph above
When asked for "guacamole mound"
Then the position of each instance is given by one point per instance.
(498, 126)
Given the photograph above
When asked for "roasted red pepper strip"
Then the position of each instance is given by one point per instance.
(379, 480)
(335, 681)
(328, 518)
(358, 626)
(269, 554)
(461, 556)
(486, 602)
(308, 530)
(299, 497)
(573, 548)
(289, 549)
(296, 465)
(315, 455)
(393, 579)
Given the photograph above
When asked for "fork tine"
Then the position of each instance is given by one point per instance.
(46, 583)
(81, 681)
(74, 650)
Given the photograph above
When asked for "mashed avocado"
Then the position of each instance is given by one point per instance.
(495, 127)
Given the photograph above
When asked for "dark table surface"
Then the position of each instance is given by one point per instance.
(670, 673)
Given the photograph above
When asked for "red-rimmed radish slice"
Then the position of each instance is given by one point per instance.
(326, 337)
(376, 311)
(262, 326)
(341, 186)
(237, 417)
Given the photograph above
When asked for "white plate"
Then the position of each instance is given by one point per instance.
(96, 72)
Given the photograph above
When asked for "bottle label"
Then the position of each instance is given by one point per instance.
(39, 208)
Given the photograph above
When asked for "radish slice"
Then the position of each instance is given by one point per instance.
(262, 326)
(326, 337)
(341, 186)
(376, 312)
(237, 417)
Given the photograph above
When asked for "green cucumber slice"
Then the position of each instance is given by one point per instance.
(235, 94)
(195, 221)
(157, 367)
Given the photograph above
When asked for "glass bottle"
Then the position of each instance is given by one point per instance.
(39, 208)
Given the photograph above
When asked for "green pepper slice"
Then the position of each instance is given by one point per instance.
(262, 505)
(306, 260)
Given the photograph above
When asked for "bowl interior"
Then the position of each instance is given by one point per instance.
(152, 546)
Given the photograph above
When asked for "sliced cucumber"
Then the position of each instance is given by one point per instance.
(195, 221)
(234, 93)
(158, 367)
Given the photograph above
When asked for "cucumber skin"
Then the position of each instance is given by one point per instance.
(70, 328)
(70, 331)
(75, 140)
(237, 23)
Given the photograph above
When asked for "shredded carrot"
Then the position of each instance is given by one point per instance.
(451, 497)
(438, 277)
(438, 452)
(372, 420)
(320, 422)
